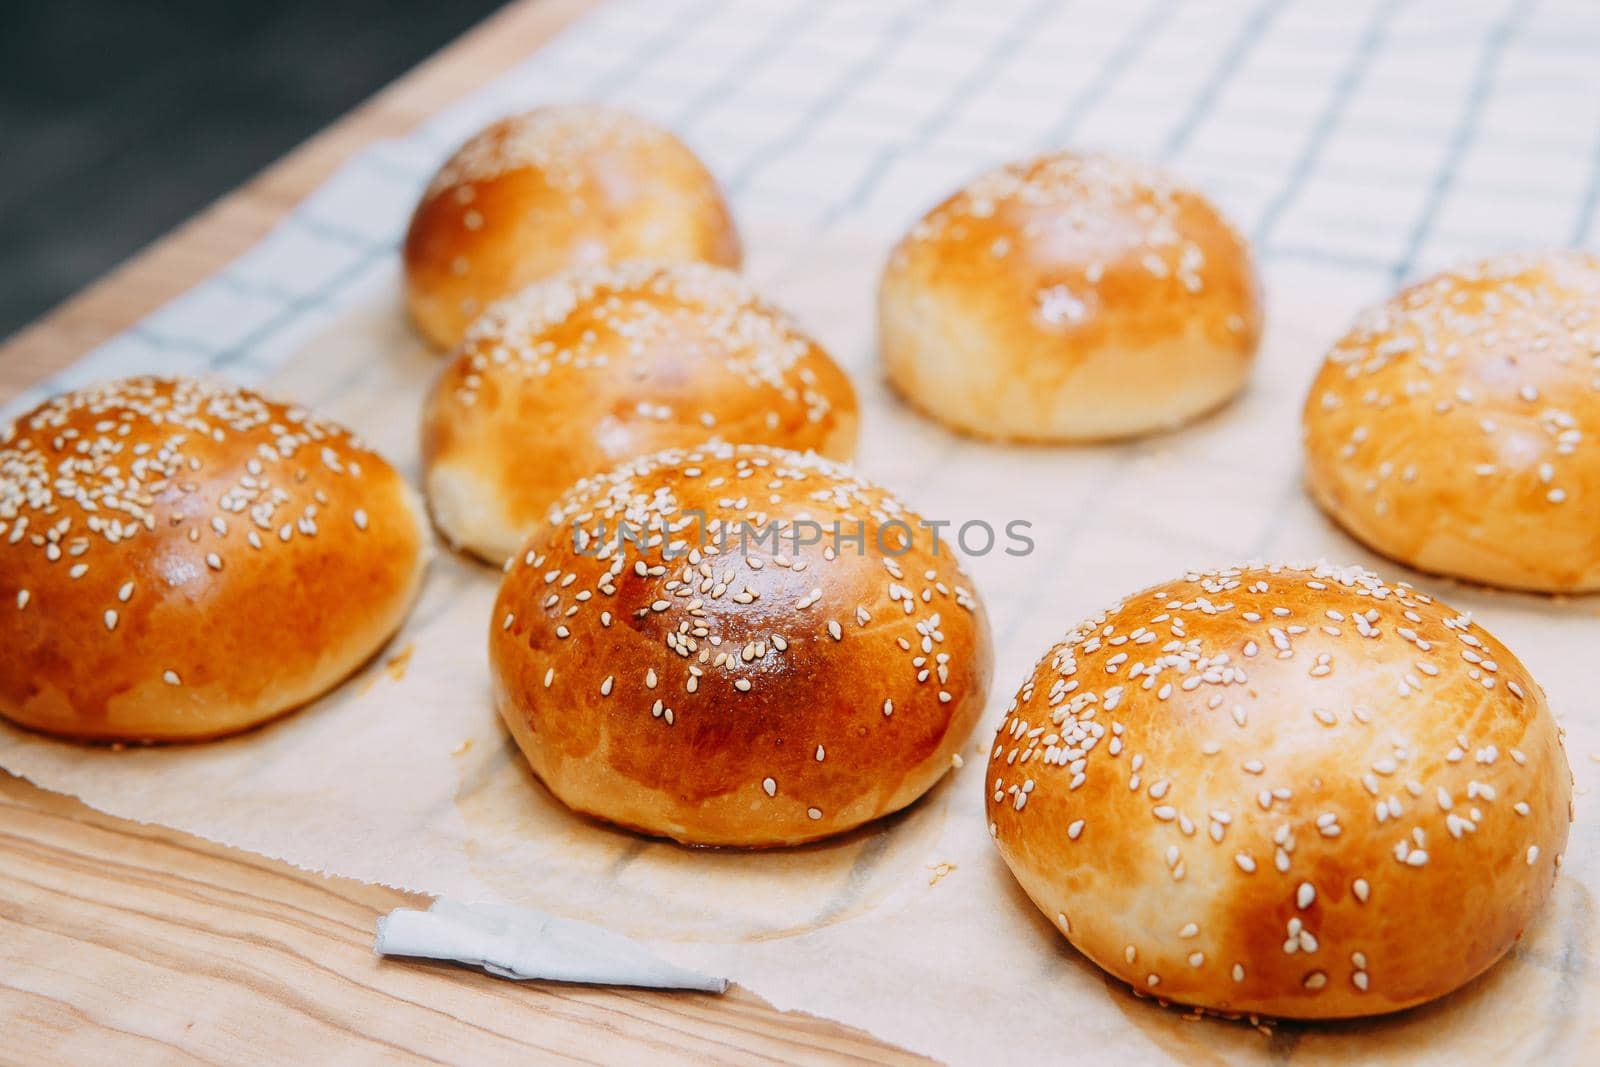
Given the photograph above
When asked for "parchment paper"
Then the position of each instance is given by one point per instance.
(1347, 134)
(911, 928)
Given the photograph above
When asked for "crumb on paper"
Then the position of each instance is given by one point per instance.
(939, 871)
(956, 761)
(462, 747)
(394, 667)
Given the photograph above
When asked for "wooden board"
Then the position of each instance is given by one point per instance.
(124, 943)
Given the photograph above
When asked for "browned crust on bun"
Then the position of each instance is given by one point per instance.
(556, 187)
(723, 689)
(1289, 791)
(1456, 428)
(1070, 297)
(181, 560)
(598, 365)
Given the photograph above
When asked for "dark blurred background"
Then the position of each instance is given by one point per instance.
(119, 120)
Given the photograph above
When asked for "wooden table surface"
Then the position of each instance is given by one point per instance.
(121, 942)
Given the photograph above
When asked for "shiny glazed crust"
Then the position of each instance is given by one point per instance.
(1295, 792)
(1457, 427)
(554, 188)
(574, 375)
(743, 691)
(181, 560)
(1066, 298)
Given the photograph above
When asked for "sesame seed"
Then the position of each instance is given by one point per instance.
(605, 686)
(814, 813)
(770, 785)
(111, 619)
(360, 518)
(171, 677)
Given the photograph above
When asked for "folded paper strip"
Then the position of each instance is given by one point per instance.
(531, 945)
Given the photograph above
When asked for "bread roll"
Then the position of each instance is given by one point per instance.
(746, 677)
(1295, 792)
(1457, 427)
(601, 364)
(181, 560)
(556, 187)
(1069, 298)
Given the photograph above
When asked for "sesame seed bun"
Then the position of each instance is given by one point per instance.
(1456, 428)
(181, 560)
(601, 364)
(724, 689)
(556, 187)
(1069, 298)
(1289, 791)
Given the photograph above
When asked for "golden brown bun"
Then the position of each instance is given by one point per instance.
(574, 375)
(181, 560)
(556, 187)
(1069, 298)
(1457, 427)
(1297, 792)
(747, 696)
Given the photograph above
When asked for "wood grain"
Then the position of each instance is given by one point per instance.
(125, 943)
